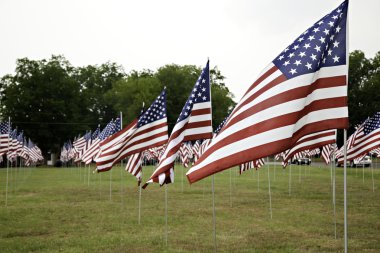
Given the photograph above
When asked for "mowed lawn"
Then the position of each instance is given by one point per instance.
(62, 210)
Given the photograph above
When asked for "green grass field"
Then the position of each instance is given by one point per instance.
(60, 210)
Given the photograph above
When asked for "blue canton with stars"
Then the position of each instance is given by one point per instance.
(199, 94)
(4, 127)
(322, 45)
(156, 111)
(372, 124)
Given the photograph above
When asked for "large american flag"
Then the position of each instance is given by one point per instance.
(303, 91)
(4, 137)
(365, 138)
(193, 123)
(150, 130)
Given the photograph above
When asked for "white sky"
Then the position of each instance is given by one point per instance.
(241, 37)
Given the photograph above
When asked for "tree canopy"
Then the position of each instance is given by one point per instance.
(53, 101)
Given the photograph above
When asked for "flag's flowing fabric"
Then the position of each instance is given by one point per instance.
(364, 139)
(303, 91)
(311, 141)
(150, 130)
(134, 166)
(193, 123)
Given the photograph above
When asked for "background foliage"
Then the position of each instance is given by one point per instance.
(53, 101)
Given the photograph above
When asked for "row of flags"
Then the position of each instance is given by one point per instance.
(14, 144)
(295, 106)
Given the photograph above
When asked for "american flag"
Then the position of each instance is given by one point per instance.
(303, 91)
(13, 145)
(196, 147)
(328, 152)
(365, 138)
(134, 166)
(4, 137)
(250, 165)
(193, 123)
(150, 130)
(93, 150)
(184, 154)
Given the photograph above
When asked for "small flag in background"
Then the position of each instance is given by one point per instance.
(303, 91)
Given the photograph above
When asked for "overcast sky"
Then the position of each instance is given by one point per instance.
(241, 37)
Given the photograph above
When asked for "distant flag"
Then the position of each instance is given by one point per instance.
(303, 91)
(193, 123)
(365, 138)
(149, 130)
(251, 165)
(4, 137)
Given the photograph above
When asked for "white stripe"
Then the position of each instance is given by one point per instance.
(265, 137)
(198, 130)
(199, 118)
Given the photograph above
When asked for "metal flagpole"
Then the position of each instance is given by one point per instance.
(121, 127)
(6, 187)
(299, 173)
(334, 202)
(166, 214)
(274, 170)
(140, 199)
(363, 174)
(373, 181)
(110, 184)
(290, 178)
(182, 179)
(269, 192)
(230, 188)
(258, 180)
(88, 176)
(213, 211)
(345, 191)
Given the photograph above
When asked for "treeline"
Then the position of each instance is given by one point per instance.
(54, 101)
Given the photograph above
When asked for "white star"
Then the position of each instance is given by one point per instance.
(204, 98)
(308, 65)
(297, 62)
(300, 39)
(313, 57)
(332, 37)
(324, 60)
(327, 32)
(316, 29)
(199, 94)
(188, 107)
(293, 71)
(191, 101)
(291, 55)
(335, 17)
(317, 48)
(339, 11)
(286, 63)
(329, 52)
(337, 29)
(311, 37)
(286, 49)
(186, 113)
(307, 45)
(302, 54)
(336, 44)
(295, 47)
(203, 80)
(322, 40)
(320, 22)
(203, 89)
(195, 89)
(331, 24)
(281, 57)
(192, 95)
(336, 58)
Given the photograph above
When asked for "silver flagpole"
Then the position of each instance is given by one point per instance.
(373, 180)
(140, 198)
(345, 191)
(274, 170)
(258, 180)
(166, 214)
(334, 202)
(363, 173)
(299, 173)
(88, 176)
(290, 178)
(121, 127)
(182, 178)
(213, 211)
(230, 188)
(110, 184)
(6, 187)
(269, 192)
